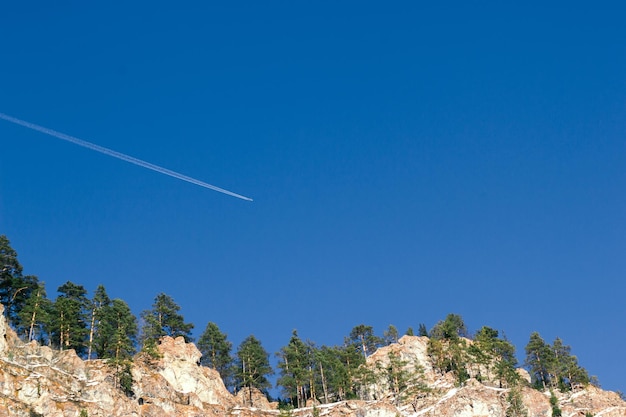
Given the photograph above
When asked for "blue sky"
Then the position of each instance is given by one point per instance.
(406, 161)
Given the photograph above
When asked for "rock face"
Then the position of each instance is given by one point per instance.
(178, 372)
(39, 381)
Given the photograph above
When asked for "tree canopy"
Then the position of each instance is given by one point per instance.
(106, 328)
(215, 349)
(164, 320)
(252, 366)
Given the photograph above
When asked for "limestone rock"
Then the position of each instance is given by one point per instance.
(253, 398)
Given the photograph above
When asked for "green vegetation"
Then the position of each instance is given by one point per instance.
(553, 366)
(448, 349)
(295, 365)
(391, 335)
(516, 407)
(164, 320)
(215, 349)
(106, 328)
(363, 337)
(554, 403)
(252, 366)
(496, 355)
(404, 382)
(69, 325)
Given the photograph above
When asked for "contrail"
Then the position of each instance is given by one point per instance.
(117, 155)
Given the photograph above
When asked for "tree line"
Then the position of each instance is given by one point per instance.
(104, 328)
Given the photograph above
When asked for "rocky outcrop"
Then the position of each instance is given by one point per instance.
(39, 381)
(179, 379)
(252, 397)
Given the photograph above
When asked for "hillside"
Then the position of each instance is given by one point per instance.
(40, 381)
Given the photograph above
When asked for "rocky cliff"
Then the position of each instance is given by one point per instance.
(39, 381)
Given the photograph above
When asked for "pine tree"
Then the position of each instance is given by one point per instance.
(10, 272)
(436, 353)
(334, 373)
(450, 355)
(215, 349)
(115, 340)
(295, 370)
(452, 327)
(554, 403)
(164, 320)
(69, 323)
(421, 331)
(391, 335)
(516, 407)
(100, 300)
(489, 350)
(567, 373)
(117, 332)
(34, 317)
(403, 381)
(352, 358)
(539, 360)
(363, 336)
(252, 366)
(15, 288)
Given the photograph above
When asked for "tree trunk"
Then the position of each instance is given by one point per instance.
(93, 321)
(31, 331)
(364, 347)
(324, 387)
(61, 332)
(312, 383)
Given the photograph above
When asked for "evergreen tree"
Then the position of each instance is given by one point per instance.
(69, 322)
(452, 327)
(164, 320)
(421, 331)
(34, 317)
(450, 355)
(490, 351)
(117, 332)
(124, 377)
(403, 381)
(565, 369)
(335, 368)
(391, 335)
(215, 349)
(446, 348)
(363, 337)
(115, 340)
(10, 273)
(363, 378)
(100, 300)
(252, 366)
(554, 403)
(437, 354)
(409, 332)
(15, 288)
(352, 358)
(539, 360)
(312, 370)
(322, 370)
(334, 373)
(516, 407)
(295, 370)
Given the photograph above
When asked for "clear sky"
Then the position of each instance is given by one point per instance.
(405, 161)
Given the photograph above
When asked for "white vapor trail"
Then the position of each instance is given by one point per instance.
(117, 155)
